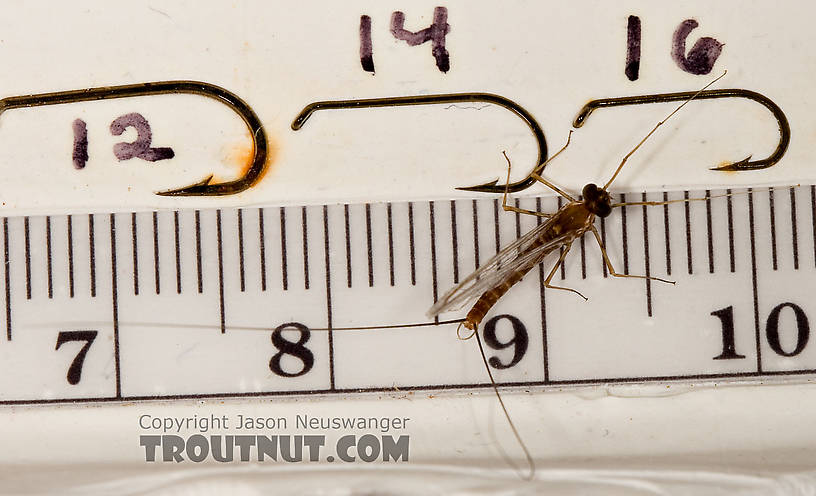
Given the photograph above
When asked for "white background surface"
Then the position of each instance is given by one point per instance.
(549, 57)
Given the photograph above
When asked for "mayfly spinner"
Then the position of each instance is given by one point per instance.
(493, 279)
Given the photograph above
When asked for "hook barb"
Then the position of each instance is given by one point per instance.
(744, 164)
(521, 112)
(740, 165)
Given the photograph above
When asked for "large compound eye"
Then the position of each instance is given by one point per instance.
(590, 192)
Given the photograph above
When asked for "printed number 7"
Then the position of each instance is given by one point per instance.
(75, 370)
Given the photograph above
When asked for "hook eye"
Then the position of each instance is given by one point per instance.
(740, 165)
(521, 112)
(202, 188)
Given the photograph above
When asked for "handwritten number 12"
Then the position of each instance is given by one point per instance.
(139, 148)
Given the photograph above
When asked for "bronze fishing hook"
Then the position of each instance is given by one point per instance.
(741, 165)
(231, 100)
(510, 105)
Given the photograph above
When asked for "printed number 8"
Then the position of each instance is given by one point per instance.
(296, 349)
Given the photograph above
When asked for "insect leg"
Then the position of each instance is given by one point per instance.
(683, 200)
(510, 208)
(612, 269)
(535, 176)
(552, 186)
(552, 273)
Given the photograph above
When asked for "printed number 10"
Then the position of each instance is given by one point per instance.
(726, 316)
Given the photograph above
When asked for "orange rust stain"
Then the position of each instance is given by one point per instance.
(727, 162)
(239, 157)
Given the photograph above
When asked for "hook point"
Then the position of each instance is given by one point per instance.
(489, 187)
(195, 189)
(743, 164)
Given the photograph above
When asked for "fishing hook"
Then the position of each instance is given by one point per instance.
(231, 100)
(741, 165)
(490, 187)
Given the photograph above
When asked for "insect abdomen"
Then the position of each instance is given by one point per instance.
(573, 218)
(488, 299)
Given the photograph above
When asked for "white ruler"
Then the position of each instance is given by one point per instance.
(221, 303)
(147, 296)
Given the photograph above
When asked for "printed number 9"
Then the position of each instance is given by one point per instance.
(296, 349)
(519, 341)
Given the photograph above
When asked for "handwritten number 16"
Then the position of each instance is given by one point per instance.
(698, 60)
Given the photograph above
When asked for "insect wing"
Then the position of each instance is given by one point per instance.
(517, 255)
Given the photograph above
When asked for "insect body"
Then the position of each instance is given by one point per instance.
(515, 261)
(492, 280)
